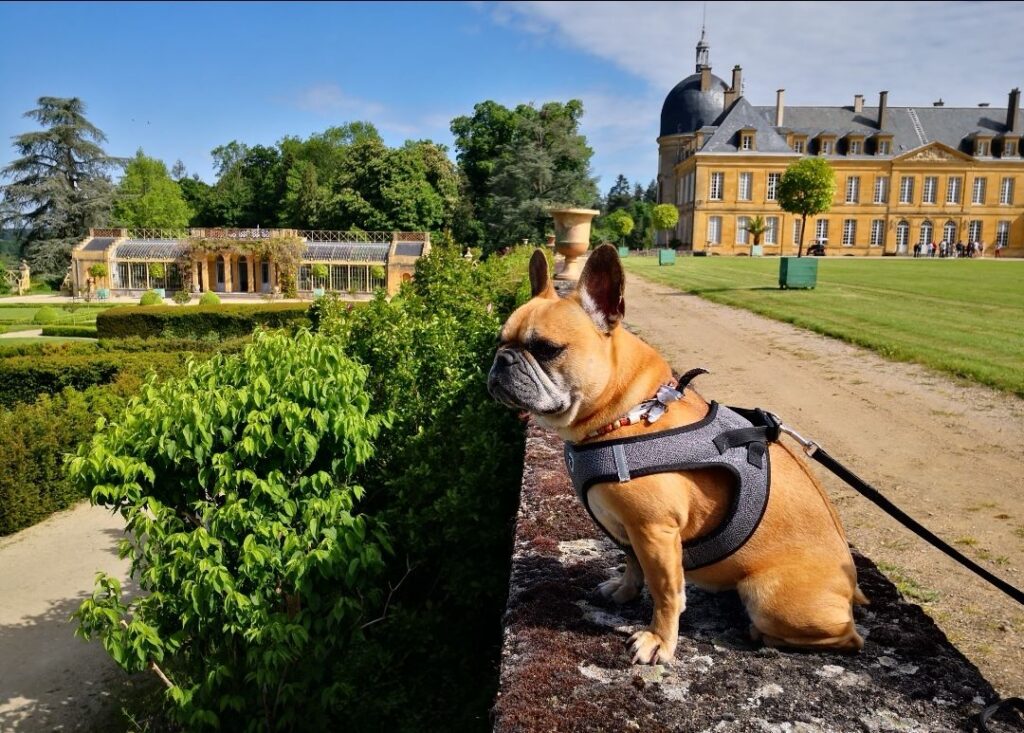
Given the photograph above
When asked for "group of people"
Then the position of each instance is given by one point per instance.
(949, 249)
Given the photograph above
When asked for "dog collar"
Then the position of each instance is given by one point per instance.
(650, 411)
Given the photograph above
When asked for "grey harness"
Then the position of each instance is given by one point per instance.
(727, 437)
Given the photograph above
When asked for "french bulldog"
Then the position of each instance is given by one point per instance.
(570, 363)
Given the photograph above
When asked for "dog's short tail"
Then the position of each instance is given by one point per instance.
(859, 598)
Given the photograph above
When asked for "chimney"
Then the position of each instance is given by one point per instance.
(1013, 111)
(883, 113)
(705, 78)
(940, 103)
(858, 103)
(733, 92)
(779, 106)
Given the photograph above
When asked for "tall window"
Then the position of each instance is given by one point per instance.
(821, 230)
(771, 231)
(928, 191)
(1003, 233)
(746, 141)
(849, 232)
(925, 233)
(954, 188)
(907, 190)
(797, 224)
(798, 145)
(974, 230)
(714, 230)
(884, 147)
(978, 195)
(746, 185)
(1006, 191)
(877, 232)
(741, 229)
(949, 231)
(717, 183)
(881, 189)
(853, 189)
(855, 147)
(902, 236)
(772, 190)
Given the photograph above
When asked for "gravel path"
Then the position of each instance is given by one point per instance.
(949, 453)
(49, 679)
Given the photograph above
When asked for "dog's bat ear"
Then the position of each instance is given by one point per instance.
(601, 287)
(540, 283)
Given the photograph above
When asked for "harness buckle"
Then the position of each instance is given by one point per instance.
(809, 446)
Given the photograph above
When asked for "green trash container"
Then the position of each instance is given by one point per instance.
(798, 272)
(623, 251)
(666, 257)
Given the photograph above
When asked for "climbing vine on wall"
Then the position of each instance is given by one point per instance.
(285, 252)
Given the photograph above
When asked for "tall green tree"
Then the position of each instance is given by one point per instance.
(806, 189)
(147, 197)
(516, 166)
(59, 185)
(618, 195)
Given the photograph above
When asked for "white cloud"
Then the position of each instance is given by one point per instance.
(329, 99)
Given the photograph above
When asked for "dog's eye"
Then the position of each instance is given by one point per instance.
(544, 350)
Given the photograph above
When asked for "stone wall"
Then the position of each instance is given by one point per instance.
(565, 667)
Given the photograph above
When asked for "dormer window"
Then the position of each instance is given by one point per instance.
(883, 145)
(747, 139)
(855, 147)
(981, 148)
(799, 144)
(1009, 148)
(826, 144)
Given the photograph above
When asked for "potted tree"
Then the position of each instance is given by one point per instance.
(756, 228)
(157, 272)
(665, 218)
(621, 224)
(805, 189)
(319, 273)
(98, 270)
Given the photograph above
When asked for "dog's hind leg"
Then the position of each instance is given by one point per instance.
(789, 608)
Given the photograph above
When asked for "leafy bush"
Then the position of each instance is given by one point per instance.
(209, 299)
(151, 297)
(98, 270)
(156, 269)
(72, 331)
(182, 296)
(46, 314)
(198, 321)
(36, 439)
(259, 575)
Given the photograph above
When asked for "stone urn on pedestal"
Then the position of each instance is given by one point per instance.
(572, 239)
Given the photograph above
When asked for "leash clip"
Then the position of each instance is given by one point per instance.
(809, 446)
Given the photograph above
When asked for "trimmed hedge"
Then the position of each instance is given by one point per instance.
(209, 299)
(46, 314)
(199, 321)
(72, 331)
(23, 378)
(151, 297)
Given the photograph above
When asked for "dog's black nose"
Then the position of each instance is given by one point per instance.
(504, 357)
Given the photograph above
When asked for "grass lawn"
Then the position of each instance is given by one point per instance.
(16, 316)
(7, 343)
(963, 317)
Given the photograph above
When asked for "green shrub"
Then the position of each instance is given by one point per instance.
(73, 331)
(182, 296)
(23, 378)
(151, 297)
(156, 269)
(46, 314)
(198, 321)
(209, 299)
(258, 573)
(98, 270)
(36, 439)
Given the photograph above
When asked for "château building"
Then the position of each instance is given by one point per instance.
(904, 175)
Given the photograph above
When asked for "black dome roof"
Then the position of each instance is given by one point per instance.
(687, 108)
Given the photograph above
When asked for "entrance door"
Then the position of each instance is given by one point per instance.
(220, 276)
(243, 275)
(265, 277)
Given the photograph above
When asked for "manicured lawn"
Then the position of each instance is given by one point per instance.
(964, 317)
(21, 314)
(7, 343)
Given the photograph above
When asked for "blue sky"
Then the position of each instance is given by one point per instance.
(178, 79)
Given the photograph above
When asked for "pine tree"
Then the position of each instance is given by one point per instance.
(59, 185)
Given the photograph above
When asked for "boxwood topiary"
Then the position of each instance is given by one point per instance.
(46, 314)
(151, 297)
(209, 299)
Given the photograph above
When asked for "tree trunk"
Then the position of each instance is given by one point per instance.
(803, 231)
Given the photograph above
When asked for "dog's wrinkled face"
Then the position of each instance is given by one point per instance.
(553, 359)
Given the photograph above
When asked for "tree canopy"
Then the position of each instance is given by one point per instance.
(516, 166)
(621, 223)
(665, 216)
(59, 185)
(806, 189)
(147, 197)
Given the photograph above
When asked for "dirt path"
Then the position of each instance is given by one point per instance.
(50, 680)
(950, 454)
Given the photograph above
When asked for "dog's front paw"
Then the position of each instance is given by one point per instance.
(619, 589)
(647, 647)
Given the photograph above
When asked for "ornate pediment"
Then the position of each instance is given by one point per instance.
(933, 153)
